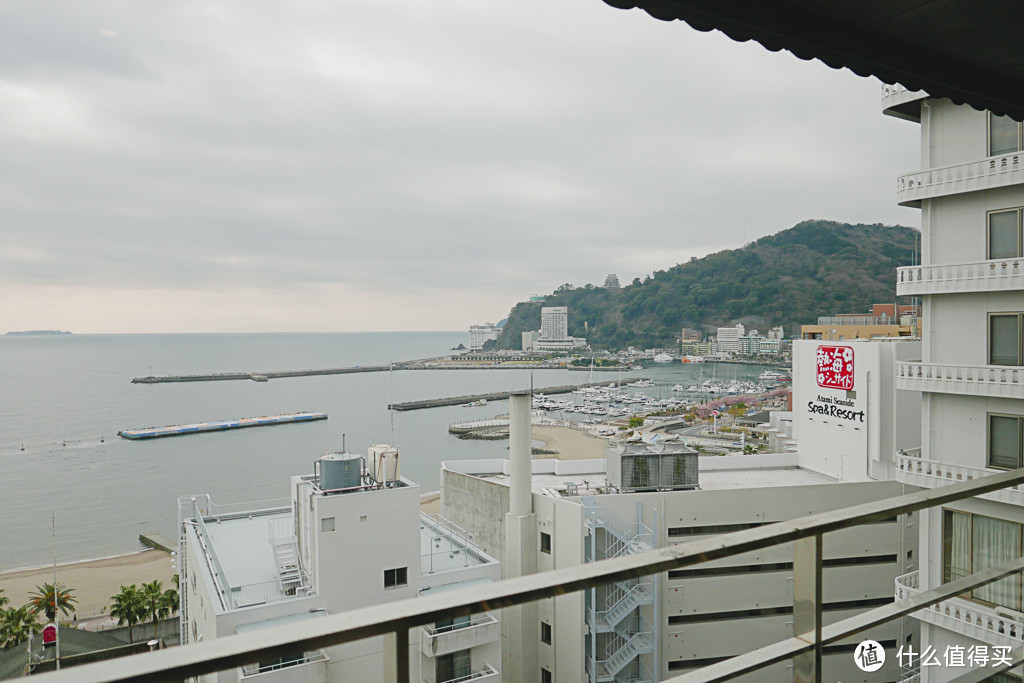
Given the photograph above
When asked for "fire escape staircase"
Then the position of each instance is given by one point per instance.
(629, 636)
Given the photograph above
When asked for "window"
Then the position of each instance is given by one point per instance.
(1004, 441)
(396, 577)
(545, 543)
(545, 632)
(972, 543)
(1004, 339)
(451, 624)
(1004, 135)
(1004, 233)
(456, 665)
(327, 524)
(545, 676)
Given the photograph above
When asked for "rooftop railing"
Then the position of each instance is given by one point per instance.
(804, 649)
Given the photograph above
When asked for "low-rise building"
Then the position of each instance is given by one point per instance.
(351, 536)
(882, 321)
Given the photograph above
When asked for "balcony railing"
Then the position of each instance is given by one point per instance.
(479, 630)
(986, 174)
(956, 278)
(912, 469)
(902, 103)
(250, 670)
(485, 673)
(997, 381)
(964, 617)
(805, 533)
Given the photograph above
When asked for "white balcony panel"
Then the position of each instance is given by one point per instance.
(929, 474)
(957, 278)
(480, 631)
(987, 174)
(901, 103)
(964, 616)
(994, 381)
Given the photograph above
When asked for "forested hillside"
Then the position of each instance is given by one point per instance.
(814, 268)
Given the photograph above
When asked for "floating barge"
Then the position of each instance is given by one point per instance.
(240, 423)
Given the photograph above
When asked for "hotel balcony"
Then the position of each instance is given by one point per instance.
(484, 673)
(929, 474)
(1002, 275)
(901, 103)
(311, 668)
(994, 381)
(965, 617)
(480, 630)
(987, 174)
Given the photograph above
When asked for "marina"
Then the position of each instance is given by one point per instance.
(222, 425)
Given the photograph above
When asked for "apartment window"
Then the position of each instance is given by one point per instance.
(1005, 239)
(1004, 339)
(1004, 135)
(545, 632)
(545, 676)
(456, 665)
(1004, 441)
(394, 578)
(451, 624)
(545, 543)
(327, 524)
(972, 543)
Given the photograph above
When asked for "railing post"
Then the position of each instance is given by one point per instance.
(807, 607)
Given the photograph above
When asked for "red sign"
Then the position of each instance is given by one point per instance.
(49, 635)
(835, 367)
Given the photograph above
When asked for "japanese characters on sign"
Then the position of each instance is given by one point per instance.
(835, 367)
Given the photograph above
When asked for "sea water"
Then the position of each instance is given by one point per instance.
(70, 487)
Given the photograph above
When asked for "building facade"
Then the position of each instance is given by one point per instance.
(970, 190)
(351, 536)
(478, 334)
(554, 322)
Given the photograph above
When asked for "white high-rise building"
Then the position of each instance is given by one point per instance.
(971, 195)
(554, 322)
(478, 334)
(729, 338)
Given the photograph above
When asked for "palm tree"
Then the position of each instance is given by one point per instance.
(128, 606)
(4, 600)
(158, 603)
(15, 624)
(51, 597)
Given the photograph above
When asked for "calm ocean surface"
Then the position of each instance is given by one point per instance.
(62, 394)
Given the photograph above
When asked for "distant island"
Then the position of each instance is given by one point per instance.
(33, 333)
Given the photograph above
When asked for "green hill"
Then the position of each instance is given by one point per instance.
(812, 269)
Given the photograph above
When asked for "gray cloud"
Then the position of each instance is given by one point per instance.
(501, 148)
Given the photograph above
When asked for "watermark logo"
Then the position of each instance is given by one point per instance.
(869, 656)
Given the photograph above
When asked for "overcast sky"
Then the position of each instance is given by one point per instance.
(202, 166)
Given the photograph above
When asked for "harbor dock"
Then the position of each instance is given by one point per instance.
(200, 427)
(492, 396)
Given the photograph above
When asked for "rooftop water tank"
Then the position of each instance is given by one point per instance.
(340, 471)
(383, 463)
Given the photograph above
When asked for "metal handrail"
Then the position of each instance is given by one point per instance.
(398, 617)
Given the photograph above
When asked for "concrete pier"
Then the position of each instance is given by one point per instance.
(492, 396)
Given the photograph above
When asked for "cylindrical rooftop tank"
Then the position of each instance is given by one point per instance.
(383, 463)
(340, 471)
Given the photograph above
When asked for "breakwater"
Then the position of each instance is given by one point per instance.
(492, 396)
(257, 376)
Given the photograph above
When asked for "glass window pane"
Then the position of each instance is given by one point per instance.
(1002, 235)
(996, 541)
(1002, 134)
(1003, 442)
(1004, 340)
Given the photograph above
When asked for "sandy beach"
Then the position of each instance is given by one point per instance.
(569, 444)
(93, 581)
